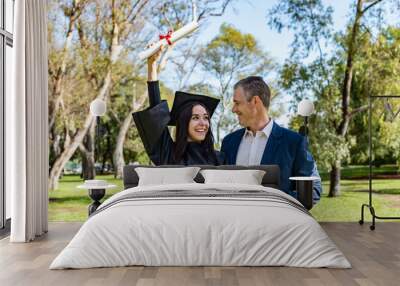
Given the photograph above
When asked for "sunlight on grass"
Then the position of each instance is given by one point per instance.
(70, 204)
(347, 207)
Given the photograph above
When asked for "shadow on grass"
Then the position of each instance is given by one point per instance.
(74, 199)
(361, 172)
(78, 179)
(71, 179)
(71, 200)
(379, 192)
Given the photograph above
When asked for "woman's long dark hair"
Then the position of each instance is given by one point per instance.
(181, 141)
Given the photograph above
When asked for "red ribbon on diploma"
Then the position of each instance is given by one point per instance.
(167, 36)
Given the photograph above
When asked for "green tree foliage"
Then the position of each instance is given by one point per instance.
(229, 56)
(336, 69)
(383, 64)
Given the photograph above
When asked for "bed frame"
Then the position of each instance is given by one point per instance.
(270, 179)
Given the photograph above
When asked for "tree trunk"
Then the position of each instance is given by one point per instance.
(88, 169)
(76, 141)
(108, 150)
(118, 155)
(115, 51)
(348, 74)
(55, 147)
(334, 186)
(87, 151)
(218, 127)
(58, 167)
(137, 103)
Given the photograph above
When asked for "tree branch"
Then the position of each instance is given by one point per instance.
(357, 110)
(86, 47)
(164, 58)
(133, 18)
(370, 6)
(203, 13)
(194, 10)
(83, 148)
(114, 114)
(223, 8)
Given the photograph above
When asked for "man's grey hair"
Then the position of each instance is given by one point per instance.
(255, 86)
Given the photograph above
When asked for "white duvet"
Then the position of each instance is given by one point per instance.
(204, 231)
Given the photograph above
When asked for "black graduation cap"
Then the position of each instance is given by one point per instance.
(182, 99)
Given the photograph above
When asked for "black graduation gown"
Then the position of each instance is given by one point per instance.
(152, 125)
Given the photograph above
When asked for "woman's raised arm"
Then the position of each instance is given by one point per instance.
(152, 79)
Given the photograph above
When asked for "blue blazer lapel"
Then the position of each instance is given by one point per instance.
(235, 143)
(273, 143)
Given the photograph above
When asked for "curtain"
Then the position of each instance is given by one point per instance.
(27, 123)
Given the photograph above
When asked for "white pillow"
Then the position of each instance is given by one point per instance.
(165, 176)
(248, 177)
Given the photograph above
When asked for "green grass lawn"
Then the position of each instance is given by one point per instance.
(347, 207)
(70, 204)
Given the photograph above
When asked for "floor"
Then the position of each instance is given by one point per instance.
(375, 256)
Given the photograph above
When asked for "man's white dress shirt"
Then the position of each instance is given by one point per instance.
(252, 147)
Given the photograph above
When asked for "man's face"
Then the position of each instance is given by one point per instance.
(245, 110)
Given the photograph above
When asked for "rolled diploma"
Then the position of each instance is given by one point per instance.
(175, 36)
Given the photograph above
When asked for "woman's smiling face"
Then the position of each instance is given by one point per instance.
(199, 124)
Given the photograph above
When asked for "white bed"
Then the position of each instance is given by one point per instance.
(246, 225)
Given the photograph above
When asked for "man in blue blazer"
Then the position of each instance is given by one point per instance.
(264, 142)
